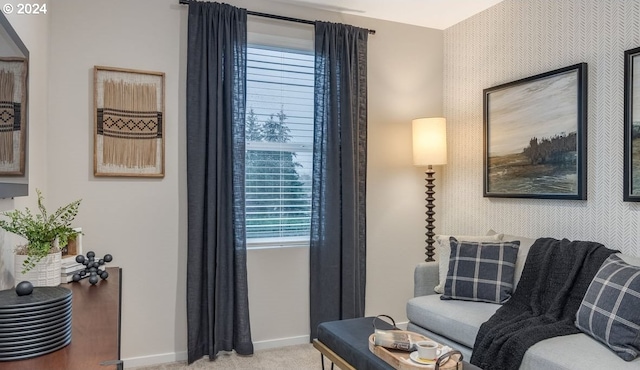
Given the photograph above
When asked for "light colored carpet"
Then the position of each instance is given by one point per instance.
(299, 357)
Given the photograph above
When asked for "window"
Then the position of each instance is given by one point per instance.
(279, 145)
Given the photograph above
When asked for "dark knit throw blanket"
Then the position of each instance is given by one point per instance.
(556, 276)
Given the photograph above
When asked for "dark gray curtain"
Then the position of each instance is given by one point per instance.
(338, 233)
(217, 300)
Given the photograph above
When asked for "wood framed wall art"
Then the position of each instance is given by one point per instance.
(128, 122)
(632, 125)
(535, 132)
(13, 127)
(73, 247)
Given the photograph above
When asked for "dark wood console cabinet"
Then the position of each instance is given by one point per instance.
(95, 338)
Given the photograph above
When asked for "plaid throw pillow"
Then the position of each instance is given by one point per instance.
(481, 271)
(443, 251)
(610, 309)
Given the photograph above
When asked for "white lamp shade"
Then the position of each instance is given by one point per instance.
(429, 141)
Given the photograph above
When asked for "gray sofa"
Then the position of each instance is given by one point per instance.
(456, 324)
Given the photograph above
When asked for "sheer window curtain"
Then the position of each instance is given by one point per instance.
(217, 298)
(338, 225)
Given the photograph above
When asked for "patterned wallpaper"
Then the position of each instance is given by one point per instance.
(521, 38)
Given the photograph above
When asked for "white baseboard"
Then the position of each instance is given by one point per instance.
(280, 342)
(158, 359)
(165, 358)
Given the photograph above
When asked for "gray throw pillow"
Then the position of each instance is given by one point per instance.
(443, 250)
(610, 310)
(481, 271)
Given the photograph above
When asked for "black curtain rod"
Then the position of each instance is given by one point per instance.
(279, 17)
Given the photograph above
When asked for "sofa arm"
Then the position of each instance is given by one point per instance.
(425, 278)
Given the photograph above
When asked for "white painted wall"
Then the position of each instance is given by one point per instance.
(517, 39)
(142, 222)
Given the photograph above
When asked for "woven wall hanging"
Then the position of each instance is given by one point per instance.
(129, 122)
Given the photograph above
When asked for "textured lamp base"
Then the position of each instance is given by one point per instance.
(35, 324)
(430, 213)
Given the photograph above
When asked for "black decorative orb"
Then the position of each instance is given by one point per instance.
(104, 275)
(77, 277)
(80, 258)
(85, 262)
(24, 288)
(101, 261)
(92, 269)
(93, 279)
(83, 273)
(108, 258)
(91, 254)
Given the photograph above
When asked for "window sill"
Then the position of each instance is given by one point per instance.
(276, 245)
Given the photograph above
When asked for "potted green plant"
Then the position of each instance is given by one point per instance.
(45, 234)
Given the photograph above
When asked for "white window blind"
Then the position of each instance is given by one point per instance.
(279, 145)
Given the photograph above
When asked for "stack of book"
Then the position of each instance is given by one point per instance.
(69, 268)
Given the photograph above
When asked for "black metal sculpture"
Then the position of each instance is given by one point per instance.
(92, 267)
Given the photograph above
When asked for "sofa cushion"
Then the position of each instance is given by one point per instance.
(456, 320)
(443, 249)
(481, 271)
(634, 261)
(523, 251)
(575, 351)
(609, 311)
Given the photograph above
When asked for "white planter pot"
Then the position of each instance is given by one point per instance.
(45, 273)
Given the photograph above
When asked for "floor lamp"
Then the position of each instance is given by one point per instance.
(430, 149)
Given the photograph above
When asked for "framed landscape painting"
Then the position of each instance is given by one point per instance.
(535, 136)
(632, 125)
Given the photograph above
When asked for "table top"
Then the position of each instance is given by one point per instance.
(95, 334)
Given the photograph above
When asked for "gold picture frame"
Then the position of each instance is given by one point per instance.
(128, 122)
